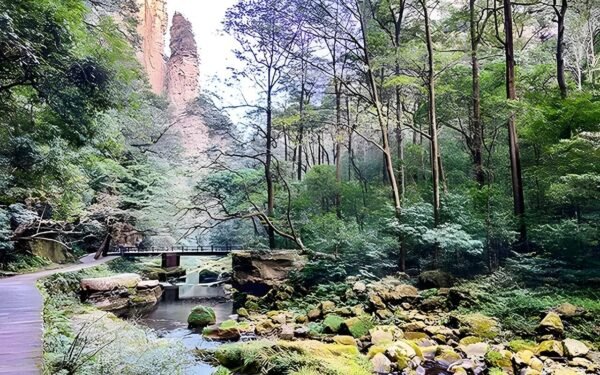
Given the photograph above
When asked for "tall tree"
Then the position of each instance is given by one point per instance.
(265, 38)
(475, 141)
(434, 146)
(513, 138)
(561, 13)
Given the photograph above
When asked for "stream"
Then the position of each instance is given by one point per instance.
(169, 320)
(169, 316)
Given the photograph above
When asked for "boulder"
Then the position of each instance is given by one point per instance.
(201, 316)
(287, 332)
(523, 357)
(435, 279)
(551, 325)
(401, 352)
(332, 323)
(344, 340)
(381, 335)
(327, 307)
(550, 348)
(314, 314)
(381, 364)
(105, 284)
(264, 327)
(574, 348)
(257, 273)
(567, 310)
(357, 326)
(359, 287)
(477, 350)
(229, 330)
(402, 292)
(476, 325)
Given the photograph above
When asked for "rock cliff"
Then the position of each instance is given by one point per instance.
(183, 65)
(152, 28)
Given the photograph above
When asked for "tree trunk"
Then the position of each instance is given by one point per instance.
(560, 61)
(513, 139)
(434, 153)
(338, 147)
(268, 162)
(476, 135)
(301, 133)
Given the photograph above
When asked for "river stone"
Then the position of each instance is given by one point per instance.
(381, 364)
(567, 310)
(201, 316)
(105, 284)
(264, 327)
(344, 340)
(575, 348)
(477, 350)
(287, 332)
(376, 301)
(327, 307)
(384, 334)
(359, 287)
(551, 324)
(332, 323)
(523, 357)
(314, 314)
(550, 348)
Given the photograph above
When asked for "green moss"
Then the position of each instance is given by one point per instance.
(518, 345)
(201, 316)
(332, 323)
(358, 326)
(283, 357)
(498, 359)
(479, 325)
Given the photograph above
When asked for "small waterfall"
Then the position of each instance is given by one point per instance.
(202, 291)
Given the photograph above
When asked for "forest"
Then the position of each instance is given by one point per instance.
(415, 185)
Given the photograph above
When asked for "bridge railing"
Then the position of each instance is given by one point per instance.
(133, 250)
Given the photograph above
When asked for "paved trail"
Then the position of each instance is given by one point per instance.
(21, 319)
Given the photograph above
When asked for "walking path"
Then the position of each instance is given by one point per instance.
(21, 319)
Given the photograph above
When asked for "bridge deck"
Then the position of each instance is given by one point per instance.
(175, 250)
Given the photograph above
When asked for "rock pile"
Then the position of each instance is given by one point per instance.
(121, 294)
(404, 331)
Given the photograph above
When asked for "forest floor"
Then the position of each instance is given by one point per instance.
(21, 325)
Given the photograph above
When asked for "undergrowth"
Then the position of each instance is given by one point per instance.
(79, 339)
(521, 293)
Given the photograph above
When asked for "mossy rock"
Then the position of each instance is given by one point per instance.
(202, 316)
(550, 348)
(468, 340)
(478, 325)
(551, 324)
(358, 326)
(500, 359)
(344, 340)
(519, 344)
(332, 323)
(447, 354)
(243, 312)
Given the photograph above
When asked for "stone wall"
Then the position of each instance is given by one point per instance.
(256, 273)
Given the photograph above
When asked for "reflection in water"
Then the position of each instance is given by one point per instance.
(169, 319)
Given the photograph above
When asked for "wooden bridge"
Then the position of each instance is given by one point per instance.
(171, 256)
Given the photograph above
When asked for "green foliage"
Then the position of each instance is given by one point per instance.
(521, 294)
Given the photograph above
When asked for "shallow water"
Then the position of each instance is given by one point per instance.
(169, 319)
